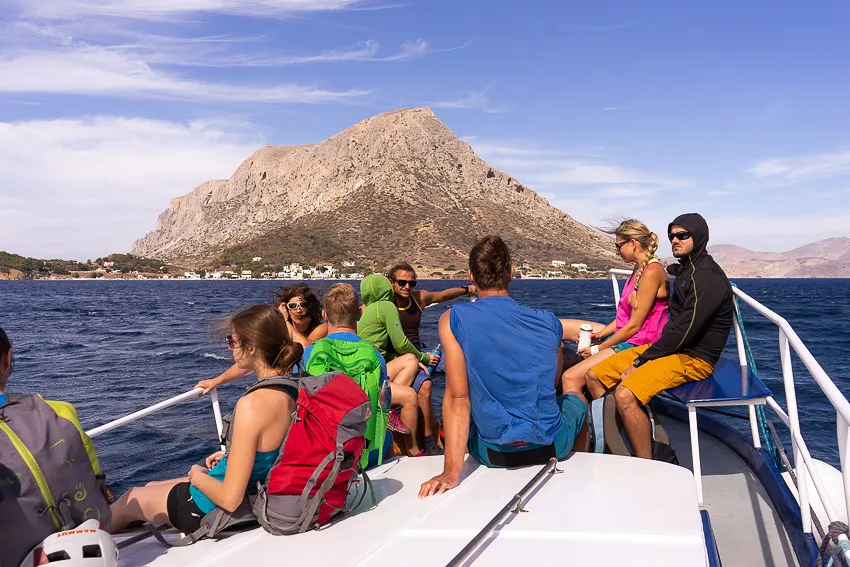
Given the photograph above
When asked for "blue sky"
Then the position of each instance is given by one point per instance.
(741, 111)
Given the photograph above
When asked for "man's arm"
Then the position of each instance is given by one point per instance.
(700, 304)
(426, 298)
(388, 315)
(456, 412)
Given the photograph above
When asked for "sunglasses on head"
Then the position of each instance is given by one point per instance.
(681, 235)
(297, 305)
(405, 283)
(619, 245)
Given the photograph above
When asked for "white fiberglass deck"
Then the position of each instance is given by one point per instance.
(603, 510)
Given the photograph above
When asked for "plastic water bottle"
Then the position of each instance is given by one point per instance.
(437, 350)
(385, 396)
(584, 333)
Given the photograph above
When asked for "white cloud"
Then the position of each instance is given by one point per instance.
(797, 169)
(81, 188)
(473, 101)
(161, 9)
(97, 71)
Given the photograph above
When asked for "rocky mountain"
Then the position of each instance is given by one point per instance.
(828, 258)
(400, 185)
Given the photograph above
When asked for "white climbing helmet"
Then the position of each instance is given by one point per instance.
(85, 546)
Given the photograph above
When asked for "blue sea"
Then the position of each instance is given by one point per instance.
(113, 347)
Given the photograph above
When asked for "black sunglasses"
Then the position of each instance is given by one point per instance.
(231, 342)
(403, 283)
(681, 235)
(621, 244)
(297, 304)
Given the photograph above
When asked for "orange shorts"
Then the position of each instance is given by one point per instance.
(653, 376)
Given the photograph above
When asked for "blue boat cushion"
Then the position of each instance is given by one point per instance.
(729, 382)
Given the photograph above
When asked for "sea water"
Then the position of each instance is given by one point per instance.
(113, 347)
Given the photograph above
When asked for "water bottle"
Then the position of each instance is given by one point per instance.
(437, 350)
(584, 333)
(385, 396)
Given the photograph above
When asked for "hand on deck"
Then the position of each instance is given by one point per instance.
(213, 459)
(438, 485)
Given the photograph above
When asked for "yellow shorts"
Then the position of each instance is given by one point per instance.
(652, 376)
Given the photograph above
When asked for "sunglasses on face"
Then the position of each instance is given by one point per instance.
(405, 283)
(297, 305)
(619, 245)
(681, 235)
(231, 342)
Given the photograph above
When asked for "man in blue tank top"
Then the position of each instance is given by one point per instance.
(502, 360)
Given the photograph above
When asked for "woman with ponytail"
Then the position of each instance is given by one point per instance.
(642, 311)
(260, 342)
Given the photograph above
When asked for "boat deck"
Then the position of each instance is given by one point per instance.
(747, 529)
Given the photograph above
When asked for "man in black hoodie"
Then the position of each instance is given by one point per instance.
(701, 311)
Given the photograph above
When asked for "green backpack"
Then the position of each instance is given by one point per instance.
(359, 361)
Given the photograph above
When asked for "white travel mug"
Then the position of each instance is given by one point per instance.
(584, 333)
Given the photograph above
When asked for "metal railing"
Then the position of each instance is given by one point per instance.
(804, 465)
(135, 416)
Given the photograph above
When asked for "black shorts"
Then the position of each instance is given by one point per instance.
(183, 513)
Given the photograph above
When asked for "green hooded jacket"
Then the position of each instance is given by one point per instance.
(380, 324)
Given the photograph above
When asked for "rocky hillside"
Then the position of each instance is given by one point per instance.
(828, 258)
(400, 185)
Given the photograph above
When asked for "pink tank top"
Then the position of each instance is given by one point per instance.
(655, 319)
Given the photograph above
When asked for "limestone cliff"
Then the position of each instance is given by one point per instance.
(397, 185)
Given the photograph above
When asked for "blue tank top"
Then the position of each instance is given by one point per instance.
(511, 360)
(263, 463)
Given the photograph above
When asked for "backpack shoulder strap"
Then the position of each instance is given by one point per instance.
(284, 382)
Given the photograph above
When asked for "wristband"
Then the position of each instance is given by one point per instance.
(465, 289)
(594, 349)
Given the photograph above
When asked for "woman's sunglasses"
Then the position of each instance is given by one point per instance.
(681, 235)
(405, 283)
(231, 342)
(619, 245)
(297, 305)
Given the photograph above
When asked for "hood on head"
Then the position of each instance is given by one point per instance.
(376, 287)
(696, 225)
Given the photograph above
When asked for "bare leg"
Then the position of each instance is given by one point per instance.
(594, 386)
(403, 370)
(573, 379)
(571, 328)
(405, 396)
(582, 442)
(426, 408)
(147, 503)
(635, 421)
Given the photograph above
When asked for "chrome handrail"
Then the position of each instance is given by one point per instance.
(789, 338)
(193, 393)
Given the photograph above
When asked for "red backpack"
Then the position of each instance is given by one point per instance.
(317, 464)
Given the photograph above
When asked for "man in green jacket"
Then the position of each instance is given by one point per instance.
(380, 325)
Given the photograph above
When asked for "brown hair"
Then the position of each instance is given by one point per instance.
(314, 307)
(400, 267)
(632, 229)
(5, 347)
(342, 305)
(264, 328)
(490, 263)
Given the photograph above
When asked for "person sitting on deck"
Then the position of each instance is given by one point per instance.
(380, 325)
(260, 341)
(339, 351)
(502, 359)
(701, 313)
(410, 303)
(303, 312)
(641, 312)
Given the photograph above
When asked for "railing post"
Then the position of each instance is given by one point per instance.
(799, 464)
(616, 289)
(844, 455)
(219, 425)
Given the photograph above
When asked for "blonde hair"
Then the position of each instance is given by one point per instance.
(342, 305)
(632, 229)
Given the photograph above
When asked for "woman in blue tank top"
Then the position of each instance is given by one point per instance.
(261, 343)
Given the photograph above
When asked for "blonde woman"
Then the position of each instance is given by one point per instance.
(642, 311)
